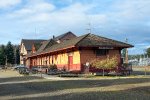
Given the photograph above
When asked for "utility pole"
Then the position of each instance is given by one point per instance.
(89, 28)
(6, 63)
(15, 55)
(126, 51)
(35, 33)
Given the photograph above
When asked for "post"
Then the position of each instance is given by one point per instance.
(6, 63)
(103, 72)
(117, 71)
(126, 51)
(15, 55)
(89, 28)
(145, 70)
(87, 65)
(41, 70)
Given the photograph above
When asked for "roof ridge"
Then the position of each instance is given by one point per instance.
(112, 39)
(83, 38)
(28, 43)
(92, 39)
(46, 43)
(33, 39)
(71, 40)
(64, 34)
(50, 40)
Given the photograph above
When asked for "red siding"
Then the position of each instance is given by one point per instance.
(89, 55)
(74, 67)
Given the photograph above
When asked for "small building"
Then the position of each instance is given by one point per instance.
(73, 53)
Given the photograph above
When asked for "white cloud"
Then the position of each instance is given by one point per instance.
(131, 10)
(141, 44)
(148, 46)
(121, 12)
(77, 8)
(116, 18)
(33, 9)
(8, 3)
(44, 12)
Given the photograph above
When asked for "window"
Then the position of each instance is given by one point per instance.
(52, 60)
(101, 52)
(41, 61)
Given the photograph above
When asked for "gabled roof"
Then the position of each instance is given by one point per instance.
(50, 42)
(94, 40)
(37, 46)
(88, 40)
(63, 35)
(29, 42)
(52, 45)
(65, 44)
(46, 44)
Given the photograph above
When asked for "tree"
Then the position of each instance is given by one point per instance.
(148, 51)
(123, 53)
(105, 64)
(2, 55)
(10, 53)
(17, 55)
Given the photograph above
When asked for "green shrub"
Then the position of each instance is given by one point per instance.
(108, 63)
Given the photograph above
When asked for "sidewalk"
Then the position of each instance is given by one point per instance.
(88, 77)
(56, 77)
(52, 77)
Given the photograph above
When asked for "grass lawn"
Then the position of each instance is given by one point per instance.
(86, 89)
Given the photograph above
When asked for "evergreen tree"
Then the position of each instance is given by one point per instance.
(17, 55)
(148, 51)
(10, 53)
(123, 53)
(2, 55)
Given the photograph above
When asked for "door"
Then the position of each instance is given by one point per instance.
(70, 62)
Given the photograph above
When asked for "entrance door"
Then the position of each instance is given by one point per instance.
(70, 62)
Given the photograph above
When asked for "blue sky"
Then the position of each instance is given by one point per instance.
(116, 19)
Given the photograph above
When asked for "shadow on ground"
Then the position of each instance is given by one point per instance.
(18, 89)
(23, 78)
(140, 93)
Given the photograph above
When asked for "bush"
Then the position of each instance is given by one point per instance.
(125, 65)
(108, 63)
(53, 67)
